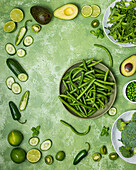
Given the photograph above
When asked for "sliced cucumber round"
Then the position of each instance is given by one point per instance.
(9, 81)
(10, 49)
(112, 111)
(46, 145)
(33, 141)
(22, 77)
(16, 88)
(28, 40)
(21, 52)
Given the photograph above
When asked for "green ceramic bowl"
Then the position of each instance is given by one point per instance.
(99, 112)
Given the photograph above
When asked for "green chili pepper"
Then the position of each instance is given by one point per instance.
(74, 130)
(108, 52)
(21, 33)
(16, 115)
(82, 154)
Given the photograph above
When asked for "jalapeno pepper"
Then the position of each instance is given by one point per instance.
(16, 115)
(83, 153)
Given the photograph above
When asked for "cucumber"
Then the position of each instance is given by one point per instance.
(21, 52)
(33, 141)
(9, 81)
(10, 49)
(24, 101)
(112, 111)
(28, 40)
(46, 145)
(17, 69)
(16, 88)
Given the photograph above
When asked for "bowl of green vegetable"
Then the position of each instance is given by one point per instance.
(119, 23)
(87, 89)
(129, 91)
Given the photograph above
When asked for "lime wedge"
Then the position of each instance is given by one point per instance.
(10, 26)
(33, 155)
(16, 15)
(95, 11)
(86, 11)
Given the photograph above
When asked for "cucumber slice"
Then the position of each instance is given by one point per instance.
(33, 141)
(28, 40)
(21, 52)
(112, 111)
(33, 155)
(24, 101)
(16, 88)
(46, 145)
(9, 81)
(10, 49)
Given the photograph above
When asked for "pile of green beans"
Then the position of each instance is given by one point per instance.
(87, 88)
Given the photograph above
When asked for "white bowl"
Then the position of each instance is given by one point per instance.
(124, 90)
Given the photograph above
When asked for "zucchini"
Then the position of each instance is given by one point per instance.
(10, 49)
(21, 52)
(33, 141)
(17, 69)
(16, 88)
(46, 145)
(28, 40)
(9, 81)
(24, 101)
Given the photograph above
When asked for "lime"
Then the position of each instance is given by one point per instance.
(112, 111)
(95, 11)
(60, 156)
(16, 15)
(18, 155)
(86, 11)
(33, 155)
(15, 137)
(10, 26)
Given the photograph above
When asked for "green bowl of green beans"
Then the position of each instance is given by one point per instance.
(87, 89)
(129, 91)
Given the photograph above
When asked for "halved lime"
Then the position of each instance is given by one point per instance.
(46, 145)
(86, 11)
(16, 15)
(112, 111)
(10, 26)
(18, 155)
(33, 141)
(95, 11)
(33, 155)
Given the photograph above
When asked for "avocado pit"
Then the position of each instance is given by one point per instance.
(128, 67)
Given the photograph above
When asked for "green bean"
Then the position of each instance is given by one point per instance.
(88, 62)
(103, 105)
(103, 86)
(106, 75)
(105, 82)
(84, 64)
(95, 63)
(65, 84)
(81, 111)
(77, 72)
(91, 112)
(108, 52)
(70, 107)
(98, 70)
(102, 92)
(100, 95)
(74, 130)
(70, 79)
(81, 79)
(66, 76)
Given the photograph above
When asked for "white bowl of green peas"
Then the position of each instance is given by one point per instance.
(129, 91)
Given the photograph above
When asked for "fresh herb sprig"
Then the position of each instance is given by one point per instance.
(105, 131)
(35, 131)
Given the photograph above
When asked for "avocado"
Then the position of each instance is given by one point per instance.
(128, 66)
(66, 12)
(41, 15)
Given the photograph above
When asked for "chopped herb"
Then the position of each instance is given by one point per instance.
(98, 33)
(35, 131)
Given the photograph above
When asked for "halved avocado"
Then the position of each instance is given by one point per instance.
(128, 66)
(66, 12)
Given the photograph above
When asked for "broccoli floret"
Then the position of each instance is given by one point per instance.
(121, 124)
(127, 153)
(134, 116)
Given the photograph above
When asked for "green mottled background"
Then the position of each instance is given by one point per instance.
(59, 45)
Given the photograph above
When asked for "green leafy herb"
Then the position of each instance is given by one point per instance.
(98, 33)
(35, 131)
(105, 131)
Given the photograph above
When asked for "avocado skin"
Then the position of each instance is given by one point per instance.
(41, 15)
(131, 60)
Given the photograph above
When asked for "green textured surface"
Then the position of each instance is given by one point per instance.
(56, 47)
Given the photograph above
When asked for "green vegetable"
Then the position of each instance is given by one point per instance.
(120, 124)
(96, 157)
(60, 156)
(49, 159)
(9, 81)
(10, 49)
(95, 23)
(16, 115)
(16, 88)
(36, 28)
(127, 153)
(122, 19)
(131, 91)
(74, 130)
(105, 131)
(103, 150)
(28, 40)
(46, 145)
(107, 51)
(98, 33)
(21, 33)
(17, 69)
(24, 101)
(35, 131)
(113, 156)
(133, 117)
(82, 154)
(33, 141)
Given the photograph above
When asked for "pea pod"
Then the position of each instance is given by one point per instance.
(82, 154)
